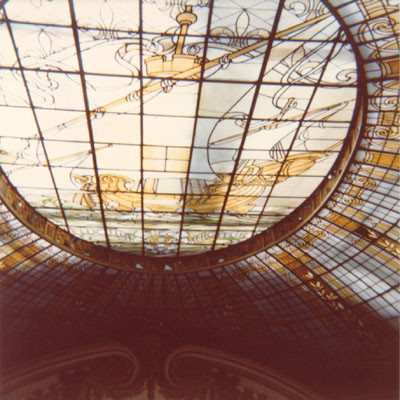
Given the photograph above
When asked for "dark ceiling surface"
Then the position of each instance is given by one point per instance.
(320, 305)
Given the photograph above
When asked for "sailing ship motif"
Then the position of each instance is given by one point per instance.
(162, 69)
(123, 194)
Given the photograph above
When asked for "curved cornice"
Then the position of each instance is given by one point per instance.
(254, 372)
(34, 370)
(259, 377)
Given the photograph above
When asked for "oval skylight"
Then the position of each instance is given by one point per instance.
(163, 129)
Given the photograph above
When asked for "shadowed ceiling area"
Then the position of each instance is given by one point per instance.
(200, 191)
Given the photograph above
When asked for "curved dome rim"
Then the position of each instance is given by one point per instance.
(214, 258)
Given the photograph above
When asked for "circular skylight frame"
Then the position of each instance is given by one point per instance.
(210, 259)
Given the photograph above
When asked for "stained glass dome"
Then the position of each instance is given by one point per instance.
(313, 295)
(163, 129)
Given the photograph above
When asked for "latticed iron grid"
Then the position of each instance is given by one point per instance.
(149, 135)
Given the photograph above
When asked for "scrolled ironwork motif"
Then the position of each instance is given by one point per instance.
(383, 132)
(94, 372)
(200, 373)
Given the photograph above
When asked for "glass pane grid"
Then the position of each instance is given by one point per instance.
(118, 134)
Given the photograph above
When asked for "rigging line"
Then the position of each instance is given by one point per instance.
(191, 80)
(196, 116)
(78, 165)
(280, 121)
(153, 85)
(258, 85)
(221, 119)
(40, 164)
(87, 115)
(316, 87)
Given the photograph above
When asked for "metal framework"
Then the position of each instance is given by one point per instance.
(225, 203)
(320, 286)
